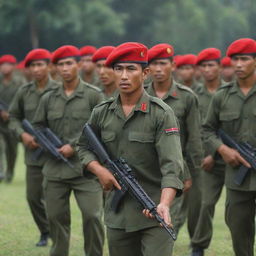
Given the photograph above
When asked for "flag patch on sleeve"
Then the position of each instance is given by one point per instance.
(172, 130)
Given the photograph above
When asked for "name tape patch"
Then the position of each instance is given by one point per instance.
(172, 130)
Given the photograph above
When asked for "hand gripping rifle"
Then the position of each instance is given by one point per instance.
(47, 140)
(245, 150)
(120, 169)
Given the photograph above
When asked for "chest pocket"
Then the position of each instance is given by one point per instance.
(141, 137)
(52, 115)
(230, 121)
(30, 110)
(107, 136)
(229, 116)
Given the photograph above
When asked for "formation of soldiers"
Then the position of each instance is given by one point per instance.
(158, 111)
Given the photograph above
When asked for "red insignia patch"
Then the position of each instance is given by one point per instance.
(174, 94)
(143, 106)
(172, 130)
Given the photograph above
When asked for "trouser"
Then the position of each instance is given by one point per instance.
(3, 162)
(57, 196)
(188, 206)
(240, 218)
(8, 154)
(147, 242)
(213, 183)
(35, 197)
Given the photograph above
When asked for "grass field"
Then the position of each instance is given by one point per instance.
(18, 233)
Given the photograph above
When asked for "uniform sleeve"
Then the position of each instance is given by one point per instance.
(168, 147)
(211, 126)
(16, 111)
(85, 155)
(194, 146)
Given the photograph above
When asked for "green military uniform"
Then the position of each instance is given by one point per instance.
(185, 106)
(65, 116)
(146, 141)
(235, 113)
(7, 140)
(212, 183)
(94, 81)
(24, 106)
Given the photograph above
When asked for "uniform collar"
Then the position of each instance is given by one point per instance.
(142, 104)
(49, 85)
(236, 89)
(79, 91)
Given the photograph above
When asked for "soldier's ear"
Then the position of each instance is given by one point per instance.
(145, 72)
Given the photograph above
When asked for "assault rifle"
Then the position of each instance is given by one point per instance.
(47, 140)
(126, 179)
(247, 151)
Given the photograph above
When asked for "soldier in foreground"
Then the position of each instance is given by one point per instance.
(64, 111)
(24, 106)
(143, 130)
(233, 109)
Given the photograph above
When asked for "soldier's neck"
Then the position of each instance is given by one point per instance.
(212, 85)
(7, 78)
(188, 83)
(246, 84)
(70, 86)
(40, 85)
(162, 86)
(87, 77)
(109, 89)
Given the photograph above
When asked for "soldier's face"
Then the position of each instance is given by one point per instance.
(87, 64)
(68, 69)
(106, 74)
(129, 77)
(210, 70)
(161, 70)
(39, 69)
(244, 65)
(7, 68)
(186, 72)
(227, 73)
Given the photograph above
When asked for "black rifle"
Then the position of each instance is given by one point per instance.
(47, 140)
(245, 150)
(127, 181)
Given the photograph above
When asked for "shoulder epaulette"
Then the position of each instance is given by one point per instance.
(159, 102)
(104, 102)
(225, 86)
(92, 86)
(184, 87)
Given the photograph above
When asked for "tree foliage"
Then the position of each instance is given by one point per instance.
(188, 25)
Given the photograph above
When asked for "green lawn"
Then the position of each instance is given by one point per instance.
(18, 233)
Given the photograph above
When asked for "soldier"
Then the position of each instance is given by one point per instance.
(186, 68)
(213, 166)
(9, 85)
(227, 71)
(106, 74)
(185, 106)
(143, 130)
(64, 111)
(87, 72)
(24, 106)
(233, 110)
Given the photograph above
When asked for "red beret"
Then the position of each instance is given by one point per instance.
(160, 51)
(176, 58)
(208, 54)
(242, 46)
(21, 65)
(37, 54)
(8, 58)
(65, 51)
(226, 62)
(87, 50)
(188, 59)
(102, 53)
(128, 52)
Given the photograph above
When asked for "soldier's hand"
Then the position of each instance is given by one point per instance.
(208, 163)
(107, 180)
(29, 141)
(4, 115)
(187, 185)
(164, 212)
(66, 150)
(232, 157)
